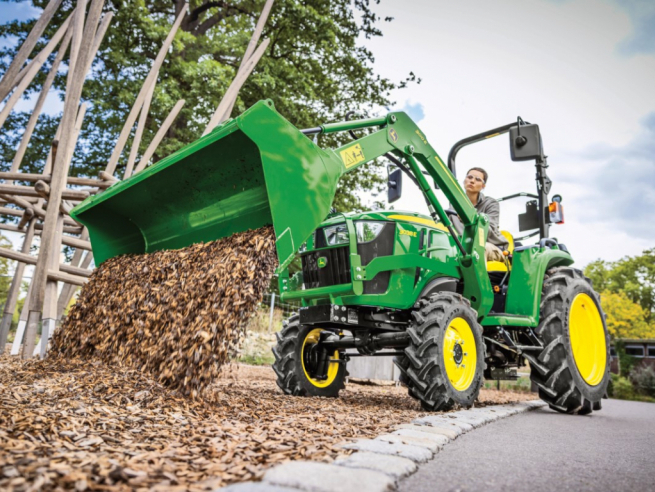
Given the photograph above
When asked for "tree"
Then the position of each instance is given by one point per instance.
(632, 276)
(315, 70)
(625, 319)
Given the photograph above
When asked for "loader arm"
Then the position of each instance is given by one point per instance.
(399, 134)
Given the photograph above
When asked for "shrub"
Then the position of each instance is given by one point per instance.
(622, 388)
(643, 379)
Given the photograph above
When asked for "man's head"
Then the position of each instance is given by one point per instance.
(475, 180)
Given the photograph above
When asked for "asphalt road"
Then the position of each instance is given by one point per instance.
(610, 450)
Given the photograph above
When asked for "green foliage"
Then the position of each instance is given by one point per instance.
(622, 389)
(632, 276)
(315, 70)
(625, 319)
(643, 379)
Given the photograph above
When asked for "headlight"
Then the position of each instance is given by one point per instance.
(337, 234)
(367, 230)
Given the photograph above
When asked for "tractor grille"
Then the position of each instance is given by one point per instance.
(335, 272)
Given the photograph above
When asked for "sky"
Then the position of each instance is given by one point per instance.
(583, 70)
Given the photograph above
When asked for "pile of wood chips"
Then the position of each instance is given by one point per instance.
(75, 425)
(177, 314)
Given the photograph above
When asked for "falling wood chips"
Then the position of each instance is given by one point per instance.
(177, 315)
(75, 425)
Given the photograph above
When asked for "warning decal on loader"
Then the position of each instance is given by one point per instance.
(352, 155)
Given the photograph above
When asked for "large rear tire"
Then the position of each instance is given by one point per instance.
(444, 363)
(294, 366)
(572, 371)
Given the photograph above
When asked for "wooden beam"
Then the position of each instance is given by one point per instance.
(27, 216)
(19, 190)
(159, 136)
(38, 107)
(35, 66)
(8, 81)
(76, 243)
(60, 168)
(14, 288)
(249, 51)
(235, 86)
(138, 103)
(71, 180)
(140, 126)
(67, 278)
(28, 259)
(68, 229)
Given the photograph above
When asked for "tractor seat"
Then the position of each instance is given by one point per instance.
(499, 266)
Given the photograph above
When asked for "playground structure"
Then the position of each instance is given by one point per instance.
(42, 202)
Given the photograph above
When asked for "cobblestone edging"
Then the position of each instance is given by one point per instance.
(379, 463)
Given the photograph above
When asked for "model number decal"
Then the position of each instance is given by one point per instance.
(404, 232)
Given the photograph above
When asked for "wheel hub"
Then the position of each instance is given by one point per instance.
(458, 354)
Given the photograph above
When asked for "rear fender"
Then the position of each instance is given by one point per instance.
(526, 280)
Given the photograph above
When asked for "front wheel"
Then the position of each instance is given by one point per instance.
(445, 358)
(302, 368)
(572, 371)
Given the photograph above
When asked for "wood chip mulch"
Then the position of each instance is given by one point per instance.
(76, 425)
(175, 314)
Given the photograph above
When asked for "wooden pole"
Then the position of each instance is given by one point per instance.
(249, 51)
(22, 321)
(235, 86)
(68, 291)
(14, 289)
(8, 81)
(35, 66)
(159, 136)
(31, 124)
(58, 181)
(140, 126)
(138, 103)
(71, 180)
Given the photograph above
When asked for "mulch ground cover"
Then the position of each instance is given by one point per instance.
(80, 425)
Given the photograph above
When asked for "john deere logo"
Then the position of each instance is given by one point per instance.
(322, 262)
(393, 135)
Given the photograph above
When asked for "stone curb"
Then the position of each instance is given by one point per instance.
(379, 463)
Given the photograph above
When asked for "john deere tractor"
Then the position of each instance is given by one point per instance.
(381, 283)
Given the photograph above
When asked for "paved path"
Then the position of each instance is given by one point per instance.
(613, 449)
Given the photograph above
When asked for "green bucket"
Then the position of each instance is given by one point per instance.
(253, 171)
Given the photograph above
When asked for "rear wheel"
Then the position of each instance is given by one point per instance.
(572, 371)
(445, 358)
(301, 367)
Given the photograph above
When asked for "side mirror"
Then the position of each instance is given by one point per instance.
(525, 142)
(394, 185)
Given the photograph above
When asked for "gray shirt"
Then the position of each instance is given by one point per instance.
(489, 206)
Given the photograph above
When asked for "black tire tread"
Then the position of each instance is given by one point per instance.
(550, 371)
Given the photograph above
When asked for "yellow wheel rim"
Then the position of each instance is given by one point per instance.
(312, 338)
(587, 339)
(460, 354)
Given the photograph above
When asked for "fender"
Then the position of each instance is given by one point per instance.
(526, 280)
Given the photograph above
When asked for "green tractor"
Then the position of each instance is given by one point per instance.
(382, 283)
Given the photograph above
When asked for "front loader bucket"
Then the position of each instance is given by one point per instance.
(255, 170)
